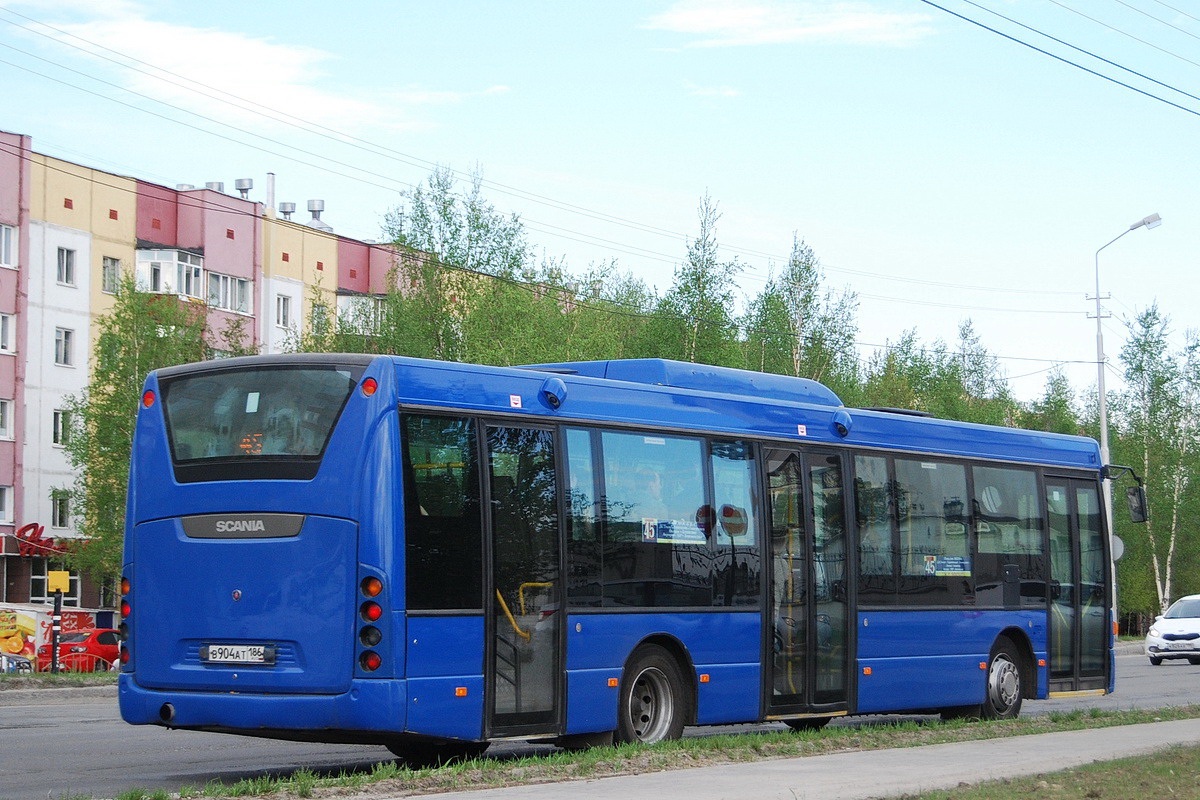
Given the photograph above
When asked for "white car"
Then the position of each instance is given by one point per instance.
(1176, 634)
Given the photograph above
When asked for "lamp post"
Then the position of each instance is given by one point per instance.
(1150, 222)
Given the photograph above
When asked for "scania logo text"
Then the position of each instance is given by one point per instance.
(240, 525)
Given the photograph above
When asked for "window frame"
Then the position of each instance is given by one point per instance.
(64, 346)
(60, 510)
(283, 311)
(60, 427)
(8, 333)
(9, 252)
(65, 272)
(110, 275)
(7, 408)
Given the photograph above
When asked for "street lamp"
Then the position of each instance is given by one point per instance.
(1150, 222)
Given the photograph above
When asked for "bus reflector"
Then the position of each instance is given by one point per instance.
(983, 665)
(460, 691)
(124, 655)
(612, 683)
(705, 678)
(370, 661)
(371, 612)
(1041, 662)
(371, 587)
(369, 386)
(866, 670)
(148, 398)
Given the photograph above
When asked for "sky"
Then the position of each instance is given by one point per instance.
(941, 171)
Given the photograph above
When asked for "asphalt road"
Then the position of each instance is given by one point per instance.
(82, 746)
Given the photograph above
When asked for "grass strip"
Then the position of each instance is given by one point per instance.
(390, 779)
(1170, 773)
(63, 680)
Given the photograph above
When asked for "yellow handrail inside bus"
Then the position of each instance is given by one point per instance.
(531, 585)
(511, 620)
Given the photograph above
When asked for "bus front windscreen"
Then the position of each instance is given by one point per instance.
(254, 423)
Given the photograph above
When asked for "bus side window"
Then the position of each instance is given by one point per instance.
(583, 537)
(443, 532)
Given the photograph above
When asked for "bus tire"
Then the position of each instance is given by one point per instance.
(1004, 690)
(653, 703)
(807, 723)
(420, 753)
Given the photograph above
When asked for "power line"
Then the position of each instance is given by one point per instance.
(1126, 34)
(609, 307)
(1060, 58)
(1156, 19)
(376, 149)
(1177, 10)
(1081, 50)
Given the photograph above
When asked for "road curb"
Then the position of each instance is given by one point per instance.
(54, 696)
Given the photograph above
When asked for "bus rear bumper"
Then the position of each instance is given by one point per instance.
(365, 713)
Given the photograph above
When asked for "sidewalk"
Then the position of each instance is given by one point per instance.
(870, 774)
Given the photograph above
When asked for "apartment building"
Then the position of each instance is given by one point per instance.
(67, 234)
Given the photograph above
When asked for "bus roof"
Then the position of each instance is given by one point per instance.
(660, 393)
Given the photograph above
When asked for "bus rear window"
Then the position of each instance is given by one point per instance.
(254, 423)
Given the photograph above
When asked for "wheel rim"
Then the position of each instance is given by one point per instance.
(651, 705)
(1004, 683)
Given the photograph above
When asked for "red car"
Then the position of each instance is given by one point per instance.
(89, 650)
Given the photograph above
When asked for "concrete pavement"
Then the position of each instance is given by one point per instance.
(870, 774)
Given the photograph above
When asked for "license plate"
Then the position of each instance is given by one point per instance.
(237, 654)
(1179, 646)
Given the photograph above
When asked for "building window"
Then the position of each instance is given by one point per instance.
(61, 427)
(60, 510)
(8, 246)
(63, 342)
(187, 275)
(66, 266)
(155, 276)
(229, 293)
(110, 275)
(6, 420)
(6, 504)
(39, 578)
(283, 311)
(8, 334)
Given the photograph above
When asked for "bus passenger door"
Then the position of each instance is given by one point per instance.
(808, 650)
(1080, 622)
(525, 591)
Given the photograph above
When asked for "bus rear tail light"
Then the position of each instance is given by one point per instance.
(369, 387)
(371, 611)
(126, 611)
(148, 398)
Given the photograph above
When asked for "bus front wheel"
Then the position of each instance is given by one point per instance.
(653, 702)
(1004, 689)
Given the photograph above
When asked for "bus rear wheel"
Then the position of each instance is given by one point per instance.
(653, 701)
(1004, 690)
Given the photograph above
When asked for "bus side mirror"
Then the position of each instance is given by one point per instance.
(1135, 498)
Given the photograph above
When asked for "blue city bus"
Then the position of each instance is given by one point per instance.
(432, 556)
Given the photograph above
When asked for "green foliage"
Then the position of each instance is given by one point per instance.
(141, 333)
(1154, 429)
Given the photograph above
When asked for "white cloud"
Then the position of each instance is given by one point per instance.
(727, 23)
(263, 75)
